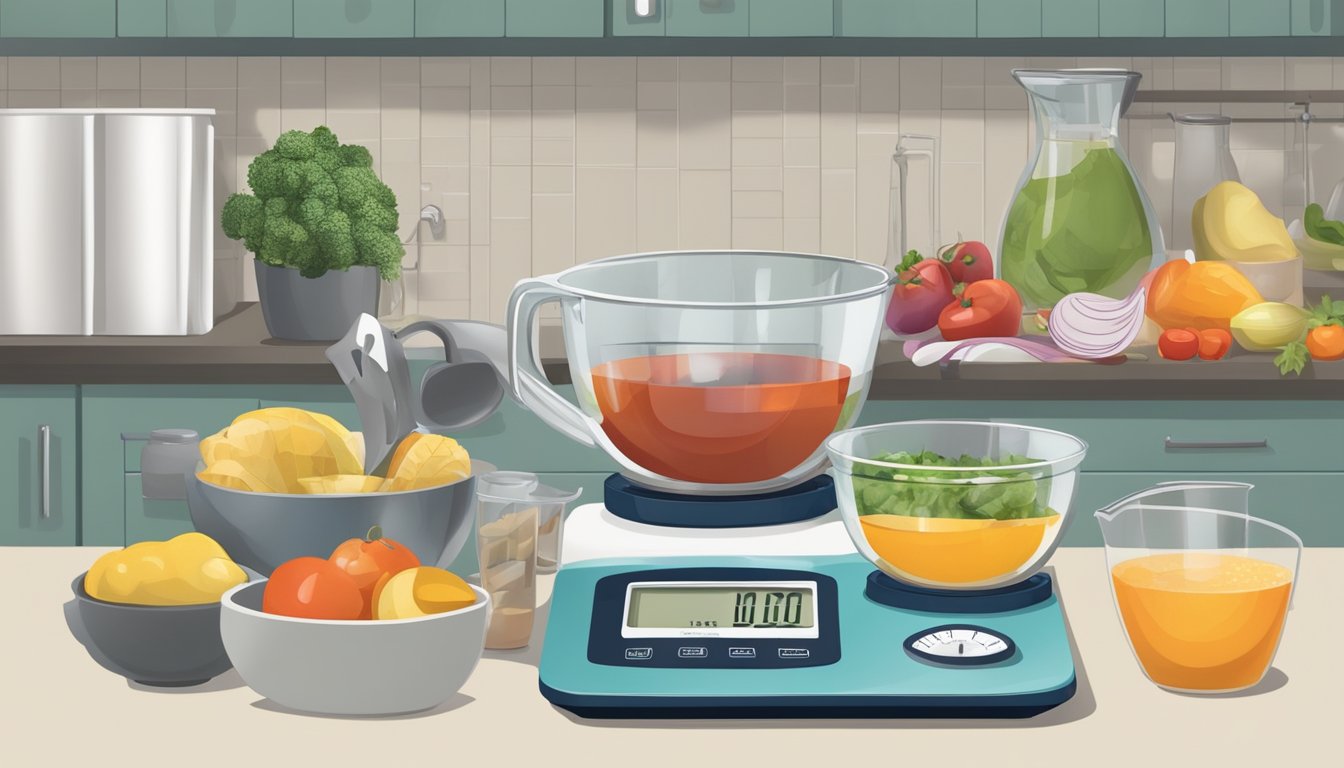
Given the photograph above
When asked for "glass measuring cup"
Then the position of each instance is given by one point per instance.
(1202, 588)
(1079, 220)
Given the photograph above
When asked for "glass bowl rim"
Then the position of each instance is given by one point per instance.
(1047, 464)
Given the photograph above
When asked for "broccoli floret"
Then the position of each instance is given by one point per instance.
(316, 205)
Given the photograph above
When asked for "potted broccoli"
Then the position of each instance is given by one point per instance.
(323, 229)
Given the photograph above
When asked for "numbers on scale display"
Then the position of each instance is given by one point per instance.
(777, 609)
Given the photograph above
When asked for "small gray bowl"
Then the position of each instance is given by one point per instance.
(168, 646)
(264, 530)
(355, 668)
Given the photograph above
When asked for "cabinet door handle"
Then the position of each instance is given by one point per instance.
(645, 8)
(44, 437)
(1170, 444)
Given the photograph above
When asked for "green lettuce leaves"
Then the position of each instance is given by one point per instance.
(979, 493)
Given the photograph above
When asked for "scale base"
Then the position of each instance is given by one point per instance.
(873, 677)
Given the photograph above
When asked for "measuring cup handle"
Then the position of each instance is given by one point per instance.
(528, 382)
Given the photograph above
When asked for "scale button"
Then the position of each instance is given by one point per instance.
(741, 653)
(638, 654)
(794, 653)
(692, 652)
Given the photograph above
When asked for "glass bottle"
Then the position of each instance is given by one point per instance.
(914, 198)
(1203, 159)
(1079, 220)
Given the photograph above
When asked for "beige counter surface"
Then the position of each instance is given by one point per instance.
(60, 709)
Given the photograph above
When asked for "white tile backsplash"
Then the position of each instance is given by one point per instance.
(542, 163)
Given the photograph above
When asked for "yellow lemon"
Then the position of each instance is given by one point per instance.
(341, 484)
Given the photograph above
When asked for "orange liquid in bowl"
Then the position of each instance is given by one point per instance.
(1203, 622)
(952, 551)
(720, 417)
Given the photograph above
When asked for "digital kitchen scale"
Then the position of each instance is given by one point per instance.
(658, 613)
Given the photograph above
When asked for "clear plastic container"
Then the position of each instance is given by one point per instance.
(1203, 159)
(710, 372)
(1079, 219)
(1202, 588)
(992, 520)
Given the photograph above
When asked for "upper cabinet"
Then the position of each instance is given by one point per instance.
(142, 18)
(230, 18)
(58, 18)
(907, 18)
(459, 18)
(354, 18)
(554, 18)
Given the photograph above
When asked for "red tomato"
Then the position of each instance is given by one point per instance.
(923, 287)
(968, 262)
(1178, 344)
(312, 588)
(1326, 342)
(987, 308)
(1214, 343)
(371, 561)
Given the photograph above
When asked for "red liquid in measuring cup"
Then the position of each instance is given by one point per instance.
(720, 417)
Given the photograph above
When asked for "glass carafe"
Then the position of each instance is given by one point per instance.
(1203, 159)
(1079, 220)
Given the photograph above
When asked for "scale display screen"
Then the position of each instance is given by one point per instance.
(779, 609)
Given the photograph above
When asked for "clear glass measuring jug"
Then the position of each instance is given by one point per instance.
(1202, 588)
(1079, 220)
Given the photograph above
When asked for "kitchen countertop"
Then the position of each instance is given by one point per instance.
(62, 709)
(239, 351)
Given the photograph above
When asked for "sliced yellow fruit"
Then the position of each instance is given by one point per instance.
(341, 484)
(190, 569)
(421, 592)
(229, 473)
(1231, 223)
(426, 461)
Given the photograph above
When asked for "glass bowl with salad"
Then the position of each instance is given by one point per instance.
(955, 504)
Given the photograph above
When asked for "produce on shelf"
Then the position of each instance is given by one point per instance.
(1214, 344)
(1178, 344)
(968, 261)
(190, 569)
(290, 450)
(1269, 325)
(1231, 223)
(987, 308)
(1206, 294)
(923, 288)
(1320, 228)
(1326, 342)
(1094, 327)
(1327, 314)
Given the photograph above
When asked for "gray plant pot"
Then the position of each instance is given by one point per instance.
(299, 308)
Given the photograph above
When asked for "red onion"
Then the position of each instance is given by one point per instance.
(1093, 327)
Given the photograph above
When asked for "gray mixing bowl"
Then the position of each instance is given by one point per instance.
(160, 645)
(352, 667)
(263, 530)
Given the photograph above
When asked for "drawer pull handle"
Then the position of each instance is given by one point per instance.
(44, 433)
(1207, 444)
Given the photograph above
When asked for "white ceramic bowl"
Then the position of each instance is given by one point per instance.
(352, 667)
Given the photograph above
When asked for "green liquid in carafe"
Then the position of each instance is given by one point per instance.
(1082, 230)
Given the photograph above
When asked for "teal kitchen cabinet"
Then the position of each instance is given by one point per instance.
(1010, 18)
(459, 18)
(554, 18)
(625, 22)
(707, 18)
(792, 18)
(1132, 18)
(142, 18)
(1069, 18)
(1311, 17)
(354, 18)
(39, 446)
(230, 18)
(1197, 18)
(907, 18)
(1260, 18)
(113, 511)
(58, 18)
